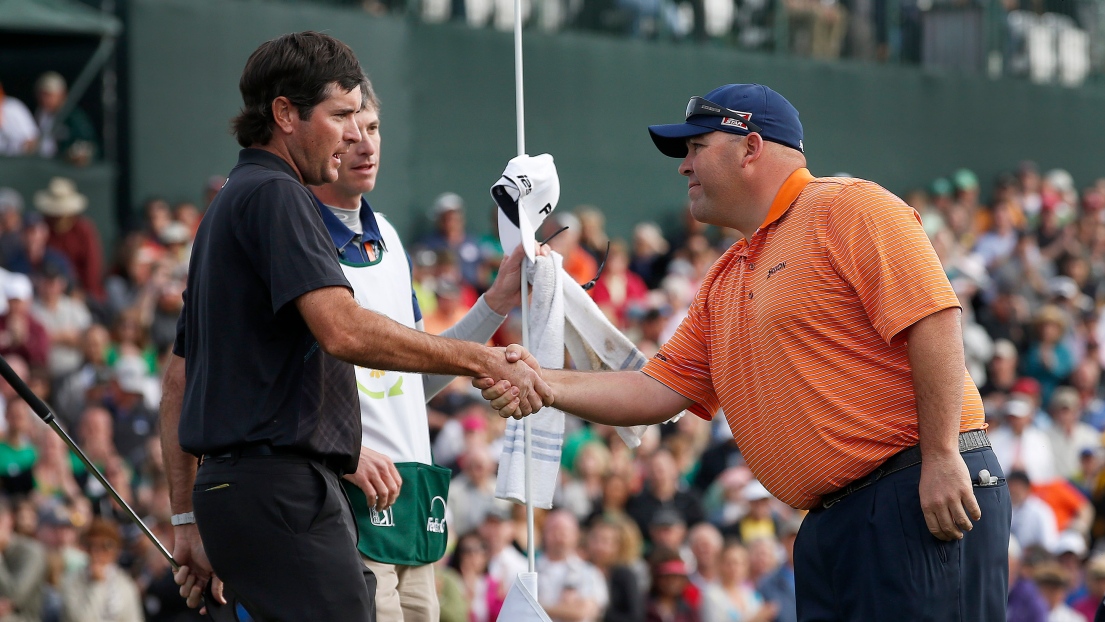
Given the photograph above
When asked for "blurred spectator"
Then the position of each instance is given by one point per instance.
(103, 592)
(132, 288)
(134, 421)
(761, 520)
(1095, 587)
(705, 542)
(30, 253)
(662, 488)
(65, 319)
(450, 593)
(481, 589)
(734, 597)
(504, 562)
(75, 139)
(592, 227)
(1049, 360)
(1053, 582)
(777, 588)
(568, 587)
(1033, 520)
(1068, 435)
(1026, 604)
(667, 530)
(450, 308)
(22, 571)
(604, 551)
(582, 494)
(1002, 370)
(53, 472)
(94, 371)
(650, 251)
(619, 288)
(18, 132)
(72, 233)
(1019, 445)
(578, 263)
(672, 598)
(997, 244)
(472, 493)
(816, 28)
(11, 222)
(763, 557)
(450, 235)
(17, 453)
(20, 332)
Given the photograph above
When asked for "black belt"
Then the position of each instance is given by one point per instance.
(334, 463)
(973, 439)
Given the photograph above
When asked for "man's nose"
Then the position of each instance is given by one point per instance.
(351, 133)
(685, 165)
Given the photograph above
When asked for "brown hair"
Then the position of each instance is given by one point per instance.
(300, 66)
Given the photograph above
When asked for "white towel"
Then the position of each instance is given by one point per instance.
(565, 316)
(546, 319)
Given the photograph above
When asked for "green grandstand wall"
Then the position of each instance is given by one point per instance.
(448, 109)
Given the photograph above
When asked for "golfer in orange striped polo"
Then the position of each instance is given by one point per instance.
(830, 337)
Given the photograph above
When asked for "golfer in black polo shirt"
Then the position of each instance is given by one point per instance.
(260, 386)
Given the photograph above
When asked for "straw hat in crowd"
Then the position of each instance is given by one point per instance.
(60, 198)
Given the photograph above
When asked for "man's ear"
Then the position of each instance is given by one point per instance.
(284, 114)
(753, 149)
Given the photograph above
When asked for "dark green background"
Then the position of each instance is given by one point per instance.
(449, 125)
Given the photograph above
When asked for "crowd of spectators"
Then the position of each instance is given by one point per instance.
(1044, 40)
(22, 133)
(677, 529)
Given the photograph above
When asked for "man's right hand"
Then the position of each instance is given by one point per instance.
(195, 569)
(378, 478)
(518, 375)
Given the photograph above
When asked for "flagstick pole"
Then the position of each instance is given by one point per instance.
(520, 115)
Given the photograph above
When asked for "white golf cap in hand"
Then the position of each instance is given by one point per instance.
(526, 194)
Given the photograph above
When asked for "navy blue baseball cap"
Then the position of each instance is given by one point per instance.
(735, 108)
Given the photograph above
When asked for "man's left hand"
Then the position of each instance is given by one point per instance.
(379, 479)
(506, 292)
(947, 496)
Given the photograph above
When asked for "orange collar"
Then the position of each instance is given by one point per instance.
(792, 187)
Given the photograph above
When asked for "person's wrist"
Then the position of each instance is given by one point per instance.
(496, 301)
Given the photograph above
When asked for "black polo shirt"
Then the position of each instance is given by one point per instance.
(255, 373)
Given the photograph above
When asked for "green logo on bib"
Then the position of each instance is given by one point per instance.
(392, 391)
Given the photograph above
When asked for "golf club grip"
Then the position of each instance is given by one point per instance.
(216, 611)
(25, 392)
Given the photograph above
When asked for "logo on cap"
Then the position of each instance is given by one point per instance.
(731, 122)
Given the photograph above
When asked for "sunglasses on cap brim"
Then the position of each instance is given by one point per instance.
(699, 106)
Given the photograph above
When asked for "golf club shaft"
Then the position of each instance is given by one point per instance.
(47, 416)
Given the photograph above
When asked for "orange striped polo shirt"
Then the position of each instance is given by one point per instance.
(797, 336)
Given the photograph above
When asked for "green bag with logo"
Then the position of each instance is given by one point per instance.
(412, 532)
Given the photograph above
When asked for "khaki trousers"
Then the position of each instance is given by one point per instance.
(404, 593)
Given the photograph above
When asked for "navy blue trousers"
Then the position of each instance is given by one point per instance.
(871, 556)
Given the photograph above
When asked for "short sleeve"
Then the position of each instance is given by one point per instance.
(683, 363)
(287, 243)
(876, 243)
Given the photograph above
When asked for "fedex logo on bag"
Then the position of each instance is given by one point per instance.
(434, 524)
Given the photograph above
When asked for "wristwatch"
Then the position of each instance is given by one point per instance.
(187, 518)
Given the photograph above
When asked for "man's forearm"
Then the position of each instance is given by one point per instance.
(935, 350)
(618, 398)
(369, 339)
(179, 466)
(478, 325)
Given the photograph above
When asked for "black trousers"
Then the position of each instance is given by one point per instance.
(280, 533)
(871, 557)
